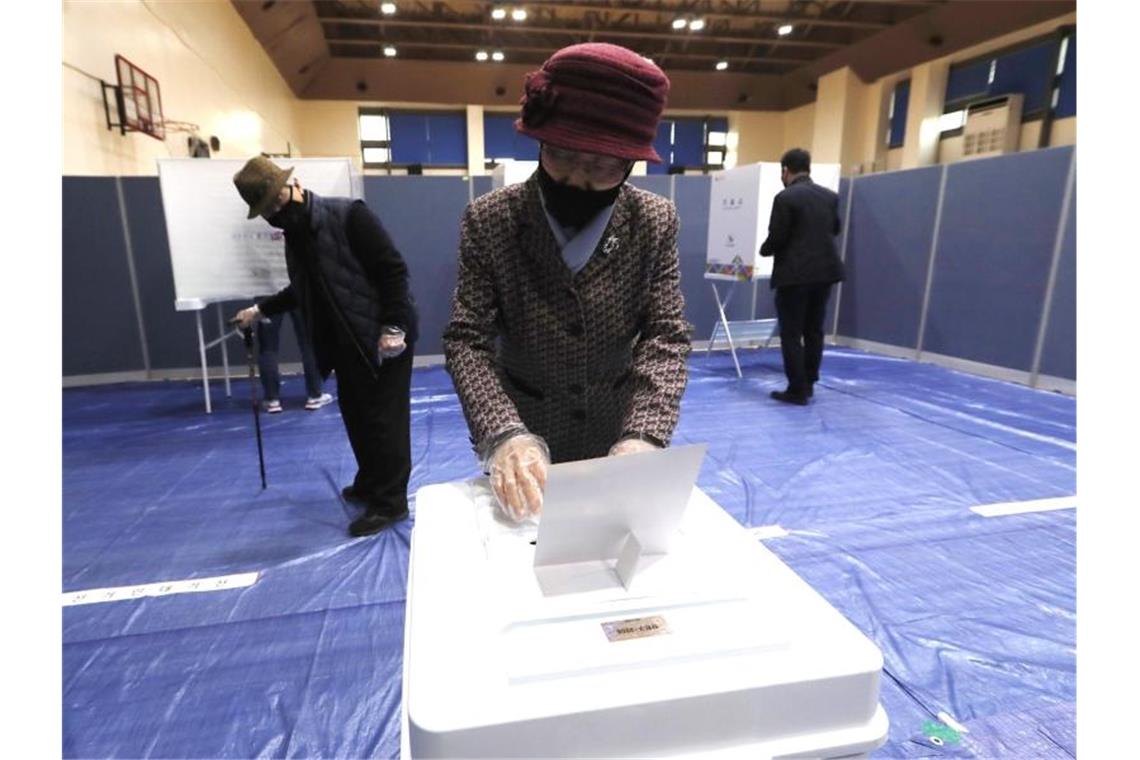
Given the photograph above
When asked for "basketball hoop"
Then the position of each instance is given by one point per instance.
(138, 101)
(181, 126)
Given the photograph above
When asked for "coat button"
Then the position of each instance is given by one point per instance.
(579, 414)
(576, 330)
(576, 389)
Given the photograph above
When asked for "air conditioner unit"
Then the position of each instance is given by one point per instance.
(870, 167)
(993, 127)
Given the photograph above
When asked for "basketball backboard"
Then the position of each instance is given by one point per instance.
(138, 101)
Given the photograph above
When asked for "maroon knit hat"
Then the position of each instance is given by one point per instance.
(596, 98)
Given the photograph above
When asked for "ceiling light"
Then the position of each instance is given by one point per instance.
(721, 65)
(697, 24)
(499, 14)
(785, 30)
(387, 8)
(389, 51)
(497, 55)
(518, 14)
(680, 23)
(481, 55)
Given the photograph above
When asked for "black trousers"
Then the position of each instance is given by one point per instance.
(801, 310)
(376, 413)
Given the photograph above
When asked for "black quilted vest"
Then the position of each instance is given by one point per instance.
(324, 267)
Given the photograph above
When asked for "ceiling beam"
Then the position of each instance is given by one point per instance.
(763, 59)
(665, 10)
(603, 31)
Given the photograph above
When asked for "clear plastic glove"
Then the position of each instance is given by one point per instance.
(518, 475)
(391, 342)
(631, 446)
(245, 318)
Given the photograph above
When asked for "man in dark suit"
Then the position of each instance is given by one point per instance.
(801, 235)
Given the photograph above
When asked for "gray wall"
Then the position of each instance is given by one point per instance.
(978, 287)
(989, 284)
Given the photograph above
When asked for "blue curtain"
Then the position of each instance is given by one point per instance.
(500, 140)
(428, 139)
(898, 118)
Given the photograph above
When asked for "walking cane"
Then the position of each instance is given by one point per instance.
(247, 338)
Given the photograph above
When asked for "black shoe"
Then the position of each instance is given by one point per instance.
(349, 493)
(799, 399)
(810, 391)
(374, 522)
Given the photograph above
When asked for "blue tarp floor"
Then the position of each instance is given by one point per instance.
(873, 483)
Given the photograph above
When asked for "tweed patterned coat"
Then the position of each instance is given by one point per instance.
(578, 359)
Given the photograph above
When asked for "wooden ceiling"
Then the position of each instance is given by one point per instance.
(744, 34)
(430, 51)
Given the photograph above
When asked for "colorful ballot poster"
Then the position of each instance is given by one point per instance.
(740, 205)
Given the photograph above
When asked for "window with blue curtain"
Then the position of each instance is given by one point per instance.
(501, 140)
(900, 99)
(428, 138)
(966, 82)
(689, 142)
(663, 144)
(684, 143)
(1025, 70)
(1067, 97)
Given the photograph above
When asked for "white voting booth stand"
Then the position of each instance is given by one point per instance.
(715, 649)
(215, 252)
(740, 207)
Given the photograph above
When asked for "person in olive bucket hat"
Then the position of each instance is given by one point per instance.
(567, 338)
(351, 286)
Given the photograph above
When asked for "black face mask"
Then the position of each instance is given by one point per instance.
(573, 206)
(292, 215)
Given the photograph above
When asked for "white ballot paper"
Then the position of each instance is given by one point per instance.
(610, 517)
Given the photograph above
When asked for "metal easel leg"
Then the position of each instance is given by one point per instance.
(225, 353)
(202, 356)
(724, 322)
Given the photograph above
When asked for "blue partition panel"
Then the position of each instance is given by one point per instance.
(995, 247)
(481, 186)
(171, 337)
(888, 252)
(1059, 355)
(654, 183)
(422, 215)
(100, 328)
(844, 190)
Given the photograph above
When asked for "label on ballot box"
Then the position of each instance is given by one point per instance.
(636, 628)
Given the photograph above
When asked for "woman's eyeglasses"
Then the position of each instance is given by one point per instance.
(599, 167)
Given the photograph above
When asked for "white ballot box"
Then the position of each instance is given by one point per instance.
(713, 649)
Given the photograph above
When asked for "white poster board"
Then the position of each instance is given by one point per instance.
(740, 207)
(215, 252)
